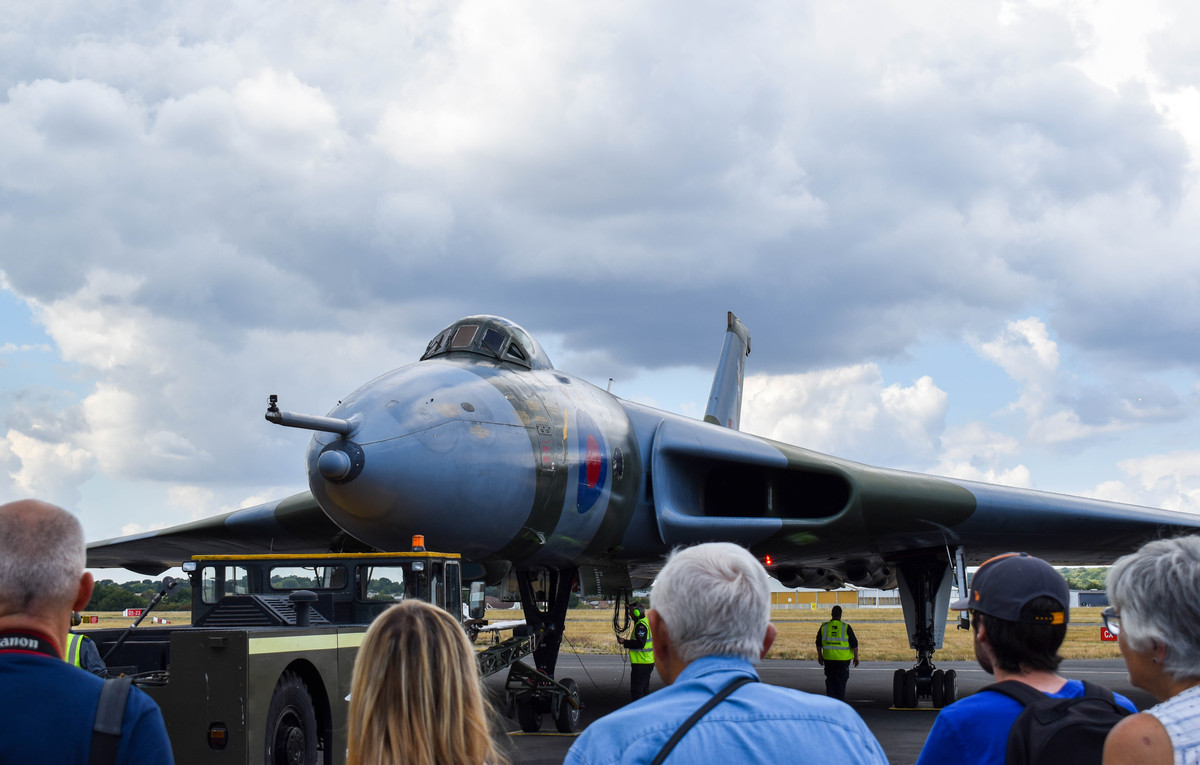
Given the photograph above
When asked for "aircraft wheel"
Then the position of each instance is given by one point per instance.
(937, 689)
(566, 719)
(527, 713)
(910, 689)
(291, 724)
(950, 687)
(898, 689)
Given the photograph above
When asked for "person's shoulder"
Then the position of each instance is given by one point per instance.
(1076, 689)
(1138, 738)
(980, 703)
(790, 700)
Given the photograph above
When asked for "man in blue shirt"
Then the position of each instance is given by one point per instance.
(48, 706)
(1019, 613)
(709, 624)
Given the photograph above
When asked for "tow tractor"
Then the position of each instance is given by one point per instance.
(263, 672)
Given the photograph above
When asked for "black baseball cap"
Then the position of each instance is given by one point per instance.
(1005, 584)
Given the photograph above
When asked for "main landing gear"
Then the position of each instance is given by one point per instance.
(534, 692)
(925, 597)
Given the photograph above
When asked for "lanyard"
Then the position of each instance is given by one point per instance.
(19, 641)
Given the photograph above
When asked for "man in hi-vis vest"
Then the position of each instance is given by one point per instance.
(641, 652)
(836, 648)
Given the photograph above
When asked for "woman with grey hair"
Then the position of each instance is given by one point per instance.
(1155, 614)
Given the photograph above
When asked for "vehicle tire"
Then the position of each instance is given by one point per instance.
(566, 719)
(898, 689)
(291, 724)
(527, 713)
(910, 689)
(937, 689)
(950, 687)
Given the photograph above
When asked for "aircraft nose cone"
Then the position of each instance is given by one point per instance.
(334, 465)
(444, 454)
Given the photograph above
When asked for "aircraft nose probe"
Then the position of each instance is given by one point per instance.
(342, 460)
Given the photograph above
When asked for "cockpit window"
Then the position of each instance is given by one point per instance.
(494, 341)
(436, 344)
(490, 336)
(463, 337)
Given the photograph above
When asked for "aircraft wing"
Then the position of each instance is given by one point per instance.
(828, 515)
(292, 525)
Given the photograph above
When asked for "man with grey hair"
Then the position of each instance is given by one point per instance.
(710, 623)
(49, 707)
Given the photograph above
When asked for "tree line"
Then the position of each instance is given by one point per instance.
(117, 596)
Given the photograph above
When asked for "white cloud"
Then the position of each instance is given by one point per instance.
(848, 412)
(1171, 481)
(974, 453)
(45, 469)
(206, 205)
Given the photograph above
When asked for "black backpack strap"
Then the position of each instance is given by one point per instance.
(1015, 689)
(1100, 692)
(110, 716)
(729, 688)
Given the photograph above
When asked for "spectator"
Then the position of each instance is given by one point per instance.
(709, 620)
(48, 705)
(1019, 615)
(416, 696)
(1156, 617)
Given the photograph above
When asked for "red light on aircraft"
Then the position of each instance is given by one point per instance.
(767, 560)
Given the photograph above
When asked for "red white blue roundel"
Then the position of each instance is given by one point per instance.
(593, 462)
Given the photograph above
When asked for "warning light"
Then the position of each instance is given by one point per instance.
(218, 736)
(418, 543)
(767, 560)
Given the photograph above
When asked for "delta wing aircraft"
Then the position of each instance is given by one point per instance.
(548, 484)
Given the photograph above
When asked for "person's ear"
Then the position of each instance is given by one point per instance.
(86, 584)
(768, 639)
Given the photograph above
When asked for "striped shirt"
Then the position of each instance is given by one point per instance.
(1180, 715)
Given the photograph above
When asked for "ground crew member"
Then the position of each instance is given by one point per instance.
(641, 652)
(81, 650)
(836, 648)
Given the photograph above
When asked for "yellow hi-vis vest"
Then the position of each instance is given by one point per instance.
(645, 655)
(835, 641)
(73, 654)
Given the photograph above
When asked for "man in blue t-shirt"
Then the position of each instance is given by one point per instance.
(1018, 607)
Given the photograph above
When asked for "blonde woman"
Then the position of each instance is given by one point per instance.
(416, 697)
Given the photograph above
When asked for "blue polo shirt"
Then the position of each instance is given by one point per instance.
(49, 707)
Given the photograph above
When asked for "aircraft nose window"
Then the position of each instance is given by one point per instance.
(493, 341)
(489, 336)
(463, 337)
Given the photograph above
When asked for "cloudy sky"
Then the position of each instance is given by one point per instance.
(963, 235)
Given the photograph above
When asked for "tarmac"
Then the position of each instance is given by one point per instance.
(604, 686)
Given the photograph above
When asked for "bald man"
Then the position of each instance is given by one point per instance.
(48, 706)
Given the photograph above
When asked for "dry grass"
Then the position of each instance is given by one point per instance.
(114, 620)
(880, 632)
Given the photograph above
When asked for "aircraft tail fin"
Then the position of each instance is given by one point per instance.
(725, 400)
